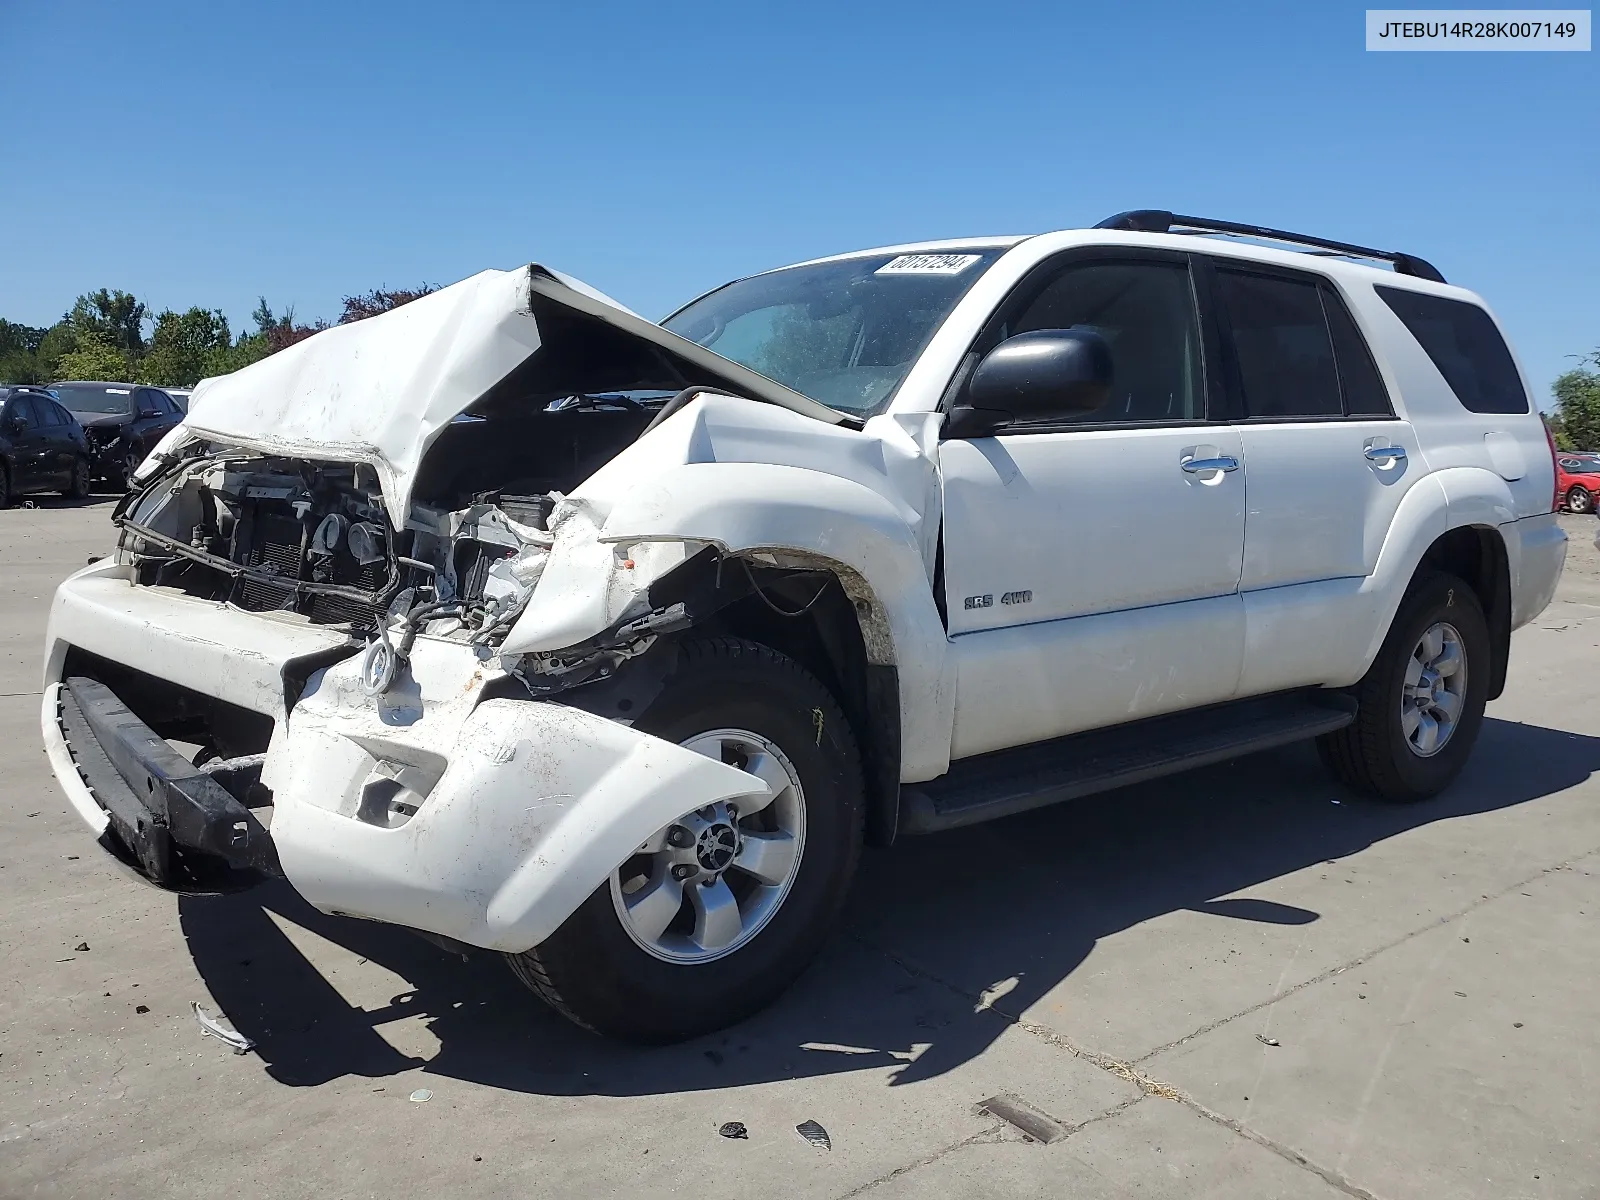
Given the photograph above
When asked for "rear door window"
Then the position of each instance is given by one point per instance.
(1359, 381)
(1282, 349)
(1465, 346)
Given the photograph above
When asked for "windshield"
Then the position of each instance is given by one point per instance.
(94, 398)
(844, 333)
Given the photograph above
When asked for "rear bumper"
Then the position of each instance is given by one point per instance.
(487, 820)
(1537, 551)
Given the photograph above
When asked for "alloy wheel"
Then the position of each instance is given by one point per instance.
(706, 884)
(1433, 695)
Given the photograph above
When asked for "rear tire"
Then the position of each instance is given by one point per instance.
(5, 487)
(1579, 499)
(1386, 752)
(596, 971)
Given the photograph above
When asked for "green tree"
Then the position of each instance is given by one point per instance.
(184, 348)
(1577, 395)
(94, 358)
(19, 353)
(113, 317)
(57, 340)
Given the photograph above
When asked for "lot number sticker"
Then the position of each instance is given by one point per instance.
(927, 264)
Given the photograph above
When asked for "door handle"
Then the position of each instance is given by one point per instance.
(1222, 463)
(1386, 454)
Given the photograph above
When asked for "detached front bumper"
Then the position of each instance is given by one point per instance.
(439, 805)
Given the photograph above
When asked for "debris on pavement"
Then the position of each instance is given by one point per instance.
(736, 1129)
(421, 1096)
(815, 1134)
(1265, 1040)
(1034, 1125)
(240, 1043)
(141, 1008)
(81, 947)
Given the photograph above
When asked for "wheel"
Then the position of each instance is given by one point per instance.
(78, 489)
(1420, 706)
(5, 487)
(718, 912)
(122, 472)
(1579, 499)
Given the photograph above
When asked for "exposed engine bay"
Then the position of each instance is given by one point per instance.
(313, 539)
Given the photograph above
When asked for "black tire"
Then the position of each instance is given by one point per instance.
(594, 973)
(5, 487)
(123, 471)
(1579, 499)
(1373, 755)
(82, 478)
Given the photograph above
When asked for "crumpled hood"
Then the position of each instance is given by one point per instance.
(379, 391)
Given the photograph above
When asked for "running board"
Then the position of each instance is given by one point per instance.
(1012, 781)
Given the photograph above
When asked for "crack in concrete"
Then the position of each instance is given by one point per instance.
(1147, 1084)
(995, 1133)
(1363, 959)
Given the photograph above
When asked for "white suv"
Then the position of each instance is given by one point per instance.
(547, 629)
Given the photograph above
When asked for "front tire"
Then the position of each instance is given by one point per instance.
(1420, 706)
(679, 976)
(1579, 499)
(82, 477)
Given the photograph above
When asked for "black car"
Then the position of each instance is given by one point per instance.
(42, 447)
(124, 422)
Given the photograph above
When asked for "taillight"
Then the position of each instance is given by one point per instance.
(1555, 471)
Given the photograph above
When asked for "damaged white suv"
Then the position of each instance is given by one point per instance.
(522, 621)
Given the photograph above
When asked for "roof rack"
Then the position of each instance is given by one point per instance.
(1155, 220)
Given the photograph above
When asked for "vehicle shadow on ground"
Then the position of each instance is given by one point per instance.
(1024, 899)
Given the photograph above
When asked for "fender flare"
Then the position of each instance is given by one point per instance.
(1445, 500)
(833, 523)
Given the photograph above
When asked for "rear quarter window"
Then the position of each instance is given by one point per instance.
(1465, 346)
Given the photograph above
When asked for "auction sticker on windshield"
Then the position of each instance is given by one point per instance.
(928, 264)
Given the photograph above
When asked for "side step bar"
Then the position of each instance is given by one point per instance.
(1012, 781)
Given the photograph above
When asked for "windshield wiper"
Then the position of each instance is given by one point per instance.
(592, 400)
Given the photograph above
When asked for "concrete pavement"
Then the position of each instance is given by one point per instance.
(1240, 982)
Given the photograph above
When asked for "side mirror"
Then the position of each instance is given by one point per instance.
(150, 412)
(17, 423)
(1033, 377)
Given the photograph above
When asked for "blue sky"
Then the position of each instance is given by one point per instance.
(209, 153)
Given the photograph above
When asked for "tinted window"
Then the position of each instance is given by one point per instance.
(94, 398)
(168, 405)
(1463, 343)
(1359, 381)
(1281, 346)
(1146, 313)
(24, 406)
(49, 412)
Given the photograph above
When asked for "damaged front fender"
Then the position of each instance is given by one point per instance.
(487, 821)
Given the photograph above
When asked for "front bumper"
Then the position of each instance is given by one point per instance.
(481, 818)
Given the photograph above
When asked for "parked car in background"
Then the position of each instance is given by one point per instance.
(1578, 481)
(180, 396)
(123, 422)
(42, 448)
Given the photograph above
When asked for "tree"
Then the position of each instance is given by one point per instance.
(185, 348)
(19, 353)
(113, 317)
(95, 358)
(380, 300)
(1578, 403)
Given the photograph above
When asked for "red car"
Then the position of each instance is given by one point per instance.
(1577, 481)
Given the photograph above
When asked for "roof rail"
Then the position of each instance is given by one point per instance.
(1155, 220)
